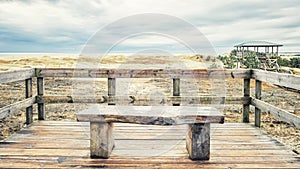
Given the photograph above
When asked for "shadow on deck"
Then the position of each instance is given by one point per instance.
(52, 144)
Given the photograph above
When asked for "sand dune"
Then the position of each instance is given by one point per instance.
(112, 61)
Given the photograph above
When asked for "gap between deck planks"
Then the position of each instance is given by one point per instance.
(66, 144)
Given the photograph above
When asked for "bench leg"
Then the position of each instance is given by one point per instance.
(198, 141)
(101, 141)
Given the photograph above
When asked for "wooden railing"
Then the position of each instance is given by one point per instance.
(285, 80)
(25, 75)
(280, 79)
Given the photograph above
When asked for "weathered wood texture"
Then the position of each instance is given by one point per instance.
(132, 100)
(277, 112)
(176, 89)
(246, 107)
(16, 75)
(55, 144)
(198, 141)
(111, 85)
(152, 115)
(141, 73)
(257, 96)
(28, 94)
(40, 93)
(281, 79)
(101, 139)
(101, 119)
(13, 108)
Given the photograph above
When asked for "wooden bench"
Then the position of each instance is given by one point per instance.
(101, 120)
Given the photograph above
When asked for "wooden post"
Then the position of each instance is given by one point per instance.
(28, 94)
(242, 53)
(246, 107)
(257, 96)
(237, 54)
(176, 89)
(111, 90)
(101, 141)
(265, 50)
(40, 93)
(272, 51)
(198, 141)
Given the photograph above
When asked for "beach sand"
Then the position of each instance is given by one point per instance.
(12, 62)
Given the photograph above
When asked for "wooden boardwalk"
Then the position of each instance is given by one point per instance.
(53, 144)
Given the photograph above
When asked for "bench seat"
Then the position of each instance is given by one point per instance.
(101, 120)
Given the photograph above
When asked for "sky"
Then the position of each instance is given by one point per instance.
(66, 26)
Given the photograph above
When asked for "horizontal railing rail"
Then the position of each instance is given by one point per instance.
(131, 99)
(277, 112)
(141, 73)
(13, 108)
(281, 79)
(16, 75)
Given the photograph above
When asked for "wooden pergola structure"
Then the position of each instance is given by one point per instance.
(269, 49)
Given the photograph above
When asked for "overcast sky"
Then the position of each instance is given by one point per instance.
(66, 26)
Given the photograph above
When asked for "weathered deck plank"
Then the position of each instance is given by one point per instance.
(52, 144)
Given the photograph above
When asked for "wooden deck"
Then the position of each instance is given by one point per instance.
(52, 144)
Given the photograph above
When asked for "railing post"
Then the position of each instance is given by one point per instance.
(40, 93)
(28, 94)
(257, 96)
(111, 90)
(246, 107)
(176, 88)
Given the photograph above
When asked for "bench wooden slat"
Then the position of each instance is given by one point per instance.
(152, 115)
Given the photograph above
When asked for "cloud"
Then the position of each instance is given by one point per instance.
(46, 23)
(65, 26)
